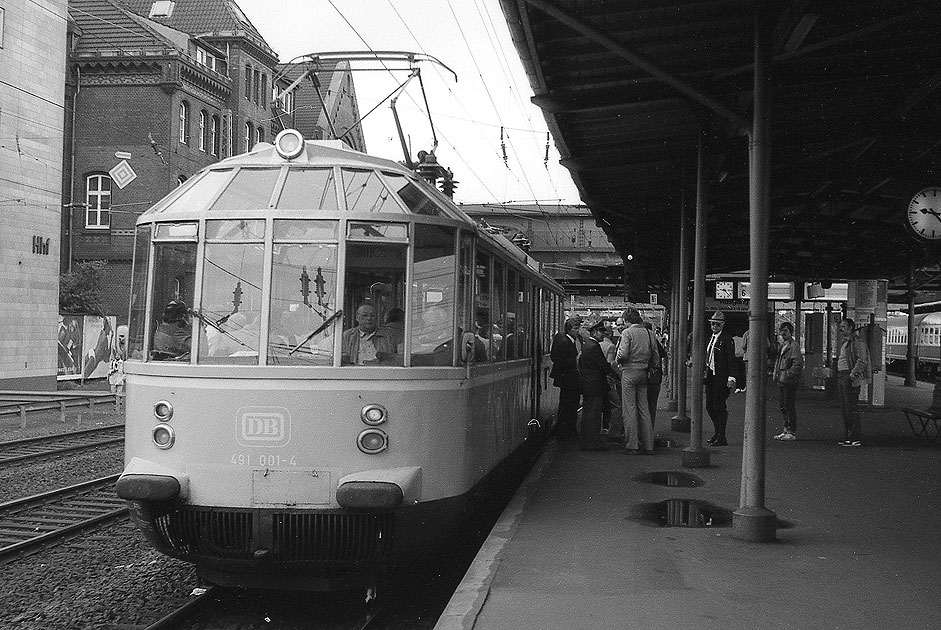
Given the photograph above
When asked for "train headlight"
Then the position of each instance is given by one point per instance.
(163, 411)
(372, 441)
(163, 436)
(289, 144)
(374, 414)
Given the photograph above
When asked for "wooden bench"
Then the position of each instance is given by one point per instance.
(922, 421)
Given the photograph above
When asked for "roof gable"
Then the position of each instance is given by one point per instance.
(203, 17)
(106, 26)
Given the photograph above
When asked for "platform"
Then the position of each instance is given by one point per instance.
(857, 546)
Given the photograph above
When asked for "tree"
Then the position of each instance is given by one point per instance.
(80, 289)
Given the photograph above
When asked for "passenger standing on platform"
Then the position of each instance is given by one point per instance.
(653, 389)
(593, 370)
(611, 419)
(564, 375)
(787, 373)
(633, 356)
(718, 379)
(853, 369)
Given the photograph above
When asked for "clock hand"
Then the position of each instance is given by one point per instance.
(937, 215)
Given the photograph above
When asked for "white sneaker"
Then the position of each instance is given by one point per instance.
(781, 436)
(789, 437)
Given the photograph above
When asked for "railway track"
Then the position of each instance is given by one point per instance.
(51, 445)
(42, 519)
(221, 608)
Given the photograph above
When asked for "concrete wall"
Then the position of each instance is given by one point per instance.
(32, 86)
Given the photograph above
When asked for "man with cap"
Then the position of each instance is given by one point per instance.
(564, 375)
(718, 379)
(593, 369)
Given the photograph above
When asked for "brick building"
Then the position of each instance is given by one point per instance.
(161, 89)
(32, 76)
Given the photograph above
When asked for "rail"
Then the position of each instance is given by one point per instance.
(34, 522)
(47, 446)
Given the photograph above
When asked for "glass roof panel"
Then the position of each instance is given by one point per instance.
(365, 192)
(309, 188)
(250, 189)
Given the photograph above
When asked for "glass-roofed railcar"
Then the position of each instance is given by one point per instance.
(298, 412)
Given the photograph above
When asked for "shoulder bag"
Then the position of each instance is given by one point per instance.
(655, 365)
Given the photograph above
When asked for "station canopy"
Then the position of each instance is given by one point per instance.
(627, 86)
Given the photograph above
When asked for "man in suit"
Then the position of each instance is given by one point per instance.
(718, 379)
(564, 354)
(594, 370)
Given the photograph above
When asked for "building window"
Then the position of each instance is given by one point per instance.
(161, 9)
(255, 84)
(97, 202)
(259, 135)
(264, 89)
(203, 129)
(214, 136)
(248, 82)
(1, 27)
(184, 122)
(249, 132)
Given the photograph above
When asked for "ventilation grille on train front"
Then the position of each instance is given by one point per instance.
(221, 534)
(332, 538)
(322, 538)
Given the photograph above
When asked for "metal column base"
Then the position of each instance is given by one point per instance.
(754, 524)
(696, 457)
(680, 423)
(672, 406)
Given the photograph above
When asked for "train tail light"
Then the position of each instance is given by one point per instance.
(372, 441)
(374, 414)
(163, 411)
(163, 436)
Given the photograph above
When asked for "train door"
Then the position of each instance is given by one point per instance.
(534, 347)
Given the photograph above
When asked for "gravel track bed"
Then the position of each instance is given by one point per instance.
(109, 580)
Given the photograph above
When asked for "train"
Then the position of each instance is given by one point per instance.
(927, 343)
(328, 361)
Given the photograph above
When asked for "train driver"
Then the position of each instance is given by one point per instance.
(173, 334)
(367, 343)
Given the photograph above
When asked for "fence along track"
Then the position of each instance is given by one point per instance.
(36, 521)
(49, 445)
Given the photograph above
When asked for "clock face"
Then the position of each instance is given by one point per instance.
(724, 290)
(924, 214)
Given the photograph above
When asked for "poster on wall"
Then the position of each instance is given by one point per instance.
(97, 342)
(70, 347)
(85, 345)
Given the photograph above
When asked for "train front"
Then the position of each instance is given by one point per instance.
(295, 401)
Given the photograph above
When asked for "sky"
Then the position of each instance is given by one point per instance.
(491, 94)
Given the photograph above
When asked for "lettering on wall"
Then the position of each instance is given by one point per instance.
(41, 245)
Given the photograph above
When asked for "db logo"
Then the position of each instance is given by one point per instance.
(263, 426)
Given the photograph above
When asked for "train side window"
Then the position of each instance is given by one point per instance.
(303, 293)
(250, 189)
(306, 188)
(524, 326)
(511, 316)
(432, 308)
(138, 316)
(365, 192)
(230, 320)
(374, 290)
(482, 328)
(412, 196)
(465, 287)
(498, 312)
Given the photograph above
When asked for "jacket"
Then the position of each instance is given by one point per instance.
(381, 339)
(790, 364)
(593, 369)
(634, 348)
(723, 354)
(564, 355)
(857, 356)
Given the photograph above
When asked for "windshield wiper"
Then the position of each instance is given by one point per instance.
(316, 331)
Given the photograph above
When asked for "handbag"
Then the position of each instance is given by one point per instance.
(654, 367)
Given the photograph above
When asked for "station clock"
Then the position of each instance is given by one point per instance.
(924, 214)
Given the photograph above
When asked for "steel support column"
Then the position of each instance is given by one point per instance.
(671, 330)
(752, 521)
(910, 358)
(694, 455)
(681, 421)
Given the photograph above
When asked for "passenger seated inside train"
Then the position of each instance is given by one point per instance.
(173, 334)
(431, 337)
(368, 343)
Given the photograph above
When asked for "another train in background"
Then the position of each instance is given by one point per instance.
(927, 343)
